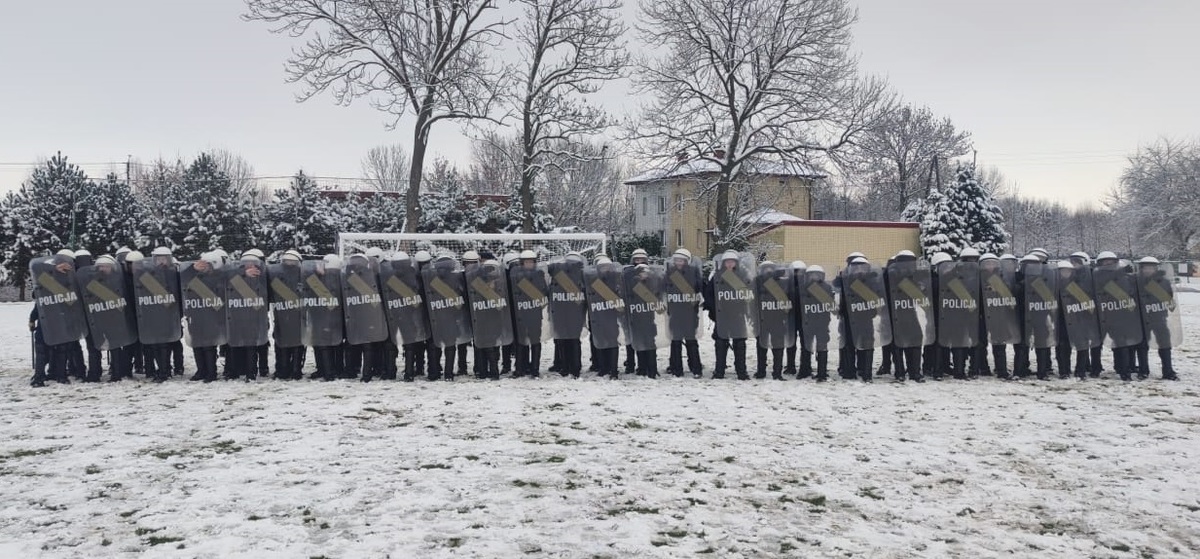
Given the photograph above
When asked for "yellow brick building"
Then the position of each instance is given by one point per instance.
(672, 203)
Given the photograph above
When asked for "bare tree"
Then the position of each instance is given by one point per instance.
(896, 152)
(745, 80)
(427, 58)
(569, 49)
(1160, 186)
(387, 167)
(241, 176)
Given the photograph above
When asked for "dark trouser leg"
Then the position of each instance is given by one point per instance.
(133, 355)
(1164, 358)
(805, 364)
(283, 370)
(693, 358)
(1121, 363)
(556, 366)
(739, 357)
(59, 356)
(506, 360)
(777, 363)
(630, 360)
(1096, 367)
(533, 361)
(928, 360)
(1082, 365)
(1043, 362)
(760, 371)
(1142, 356)
(912, 358)
(354, 361)
(462, 359)
(675, 358)
(76, 365)
(248, 361)
(1062, 355)
(722, 351)
(116, 364)
(790, 369)
(435, 361)
(260, 360)
(177, 357)
(95, 361)
(451, 351)
(593, 366)
(573, 356)
(368, 361)
(822, 365)
(647, 363)
(864, 358)
(493, 362)
(1000, 359)
(41, 361)
(1021, 361)
(521, 358)
(885, 368)
(391, 354)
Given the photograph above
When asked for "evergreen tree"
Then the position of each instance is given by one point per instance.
(165, 199)
(984, 219)
(299, 218)
(43, 216)
(543, 220)
(214, 215)
(943, 228)
(114, 217)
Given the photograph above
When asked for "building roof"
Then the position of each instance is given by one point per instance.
(831, 223)
(701, 166)
(768, 216)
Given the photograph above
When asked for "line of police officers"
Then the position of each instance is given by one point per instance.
(360, 317)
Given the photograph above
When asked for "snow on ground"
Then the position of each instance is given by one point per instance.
(591, 468)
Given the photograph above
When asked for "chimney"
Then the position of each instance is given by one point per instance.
(719, 154)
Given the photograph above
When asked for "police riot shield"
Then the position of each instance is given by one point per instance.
(606, 305)
(324, 325)
(112, 322)
(246, 309)
(1117, 300)
(60, 311)
(733, 288)
(912, 312)
(1001, 311)
(958, 304)
(1160, 311)
(401, 286)
(868, 325)
(203, 290)
(287, 310)
(568, 300)
(445, 291)
(684, 287)
(362, 304)
(159, 314)
(1077, 300)
(1041, 305)
(491, 317)
(530, 299)
(776, 325)
(645, 308)
(818, 310)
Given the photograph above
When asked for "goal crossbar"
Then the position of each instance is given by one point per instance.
(545, 244)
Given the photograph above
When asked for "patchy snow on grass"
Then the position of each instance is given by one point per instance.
(595, 468)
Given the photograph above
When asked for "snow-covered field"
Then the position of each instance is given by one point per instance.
(590, 468)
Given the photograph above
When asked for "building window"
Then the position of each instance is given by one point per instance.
(678, 238)
(662, 237)
(678, 203)
(662, 204)
(645, 205)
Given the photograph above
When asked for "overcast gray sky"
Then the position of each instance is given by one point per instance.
(1055, 92)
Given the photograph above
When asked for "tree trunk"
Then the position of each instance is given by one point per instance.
(724, 223)
(412, 199)
(526, 193)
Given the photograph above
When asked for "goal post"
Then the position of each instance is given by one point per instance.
(546, 245)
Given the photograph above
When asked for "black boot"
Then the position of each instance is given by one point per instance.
(722, 350)
(675, 359)
(739, 358)
(805, 364)
(777, 363)
(693, 358)
(761, 371)
(822, 366)
(1043, 362)
(790, 368)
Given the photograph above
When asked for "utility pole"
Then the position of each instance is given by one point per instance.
(937, 172)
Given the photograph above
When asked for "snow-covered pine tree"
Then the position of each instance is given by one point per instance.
(166, 201)
(38, 217)
(984, 219)
(114, 217)
(543, 220)
(943, 228)
(215, 216)
(299, 218)
(913, 212)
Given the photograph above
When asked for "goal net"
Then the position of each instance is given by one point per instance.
(546, 245)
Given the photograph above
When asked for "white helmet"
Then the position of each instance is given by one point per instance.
(988, 256)
(860, 260)
(65, 252)
(767, 264)
(211, 257)
(939, 258)
(249, 257)
(969, 252)
(1008, 256)
(639, 252)
(291, 255)
(1106, 255)
(122, 250)
(134, 256)
(799, 265)
(906, 252)
(527, 254)
(816, 268)
(106, 259)
(1064, 265)
(1030, 258)
(1080, 254)
(470, 256)
(730, 255)
(82, 252)
(161, 251)
(854, 255)
(375, 252)
(398, 256)
(333, 261)
(603, 260)
(490, 263)
(220, 252)
(255, 253)
(683, 252)
(1040, 253)
(1149, 260)
(422, 256)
